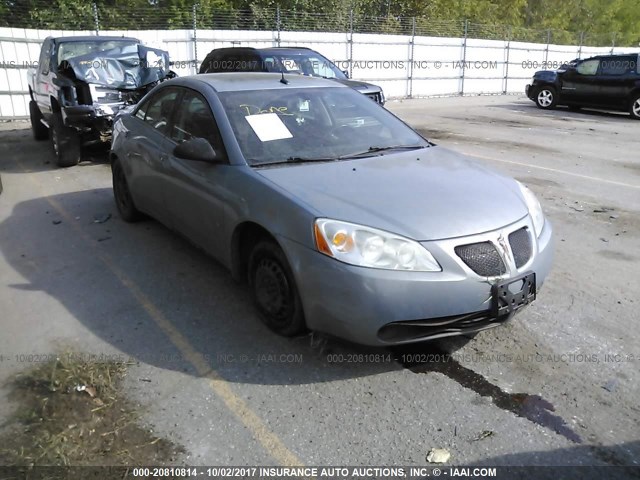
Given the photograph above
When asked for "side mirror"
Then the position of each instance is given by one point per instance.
(346, 73)
(198, 150)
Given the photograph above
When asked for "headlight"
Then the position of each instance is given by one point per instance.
(535, 210)
(370, 247)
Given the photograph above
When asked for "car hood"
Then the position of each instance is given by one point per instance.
(548, 75)
(426, 194)
(124, 71)
(360, 86)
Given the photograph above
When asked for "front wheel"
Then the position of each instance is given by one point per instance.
(40, 131)
(274, 290)
(122, 195)
(546, 98)
(66, 143)
(634, 107)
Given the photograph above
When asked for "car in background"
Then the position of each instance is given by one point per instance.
(299, 60)
(341, 217)
(609, 82)
(81, 83)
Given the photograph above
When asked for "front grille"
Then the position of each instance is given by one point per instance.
(376, 97)
(482, 258)
(520, 242)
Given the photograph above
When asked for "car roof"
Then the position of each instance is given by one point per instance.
(241, 81)
(93, 38)
(262, 50)
(609, 55)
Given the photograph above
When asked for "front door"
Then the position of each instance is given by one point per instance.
(195, 193)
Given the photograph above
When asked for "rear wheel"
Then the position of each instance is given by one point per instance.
(122, 195)
(546, 98)
(634, 107)
(40, 131)
(66, 143)
(274, 290)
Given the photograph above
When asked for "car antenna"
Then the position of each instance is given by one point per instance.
(284, 80)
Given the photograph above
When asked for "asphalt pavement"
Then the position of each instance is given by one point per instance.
(558, 385)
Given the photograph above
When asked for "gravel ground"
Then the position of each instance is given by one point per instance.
(559, 385)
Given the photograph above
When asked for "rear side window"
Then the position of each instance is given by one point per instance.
(619, 65)
(158, 110)
(588, 67)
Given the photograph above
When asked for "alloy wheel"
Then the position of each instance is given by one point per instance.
(545, 98)
(635, 108)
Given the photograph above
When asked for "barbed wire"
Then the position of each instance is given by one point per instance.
(87, 16)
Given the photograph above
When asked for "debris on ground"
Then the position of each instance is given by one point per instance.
(72, 411)
(603, 210)
(101, 218)
(57, 222)
(577, 209)
(611, 385)
(483, 435)
(438, 455)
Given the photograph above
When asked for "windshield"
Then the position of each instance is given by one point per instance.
(68, 50)
(309, 124)
(304, 63)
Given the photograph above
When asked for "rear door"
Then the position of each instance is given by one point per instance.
(196, 192)
(147, 132)
(618, 75)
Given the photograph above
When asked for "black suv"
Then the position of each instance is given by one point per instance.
(606, 81)
(284, 59)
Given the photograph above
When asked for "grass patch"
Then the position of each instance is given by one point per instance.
(72, 411)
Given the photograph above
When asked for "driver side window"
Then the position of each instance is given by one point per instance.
(157, 111)
(195, 120)
(588, 67)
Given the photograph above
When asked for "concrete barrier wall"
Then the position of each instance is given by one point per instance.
(402, 65)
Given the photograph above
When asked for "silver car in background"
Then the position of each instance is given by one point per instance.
(341, 218)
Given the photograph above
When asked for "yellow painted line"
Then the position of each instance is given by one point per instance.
(555, 170)
(269, 440)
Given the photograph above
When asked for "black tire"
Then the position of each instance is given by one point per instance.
(40, 131)
(122, 195)
(274, 290)
(634, 106)
(66, 143)
(546, 97)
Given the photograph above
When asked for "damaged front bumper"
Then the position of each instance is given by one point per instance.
(391, 307)
(95, 121)
(90, 120)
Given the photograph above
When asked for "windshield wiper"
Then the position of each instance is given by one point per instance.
(298, 160)
(370, 151)
(383, 149)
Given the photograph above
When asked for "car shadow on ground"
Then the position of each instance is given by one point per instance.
(41, 153)
(142, 288)
(563, 111)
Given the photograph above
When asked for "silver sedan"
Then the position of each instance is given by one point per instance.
(340, 217)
